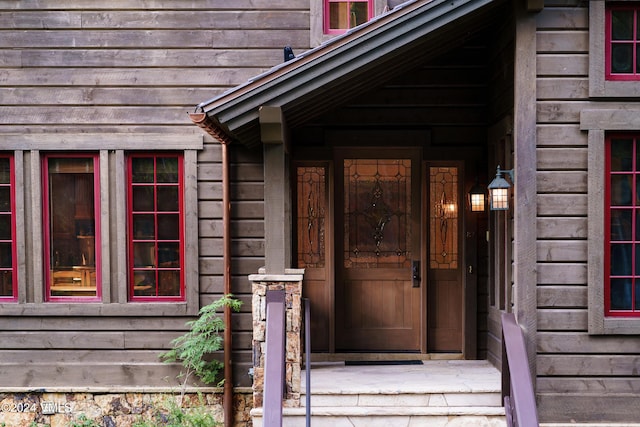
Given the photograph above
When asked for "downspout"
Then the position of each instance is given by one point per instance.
(203, 121)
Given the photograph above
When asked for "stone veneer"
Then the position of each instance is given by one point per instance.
(109, 409)
(291, 282)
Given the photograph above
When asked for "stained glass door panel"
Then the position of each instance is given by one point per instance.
(377, 306)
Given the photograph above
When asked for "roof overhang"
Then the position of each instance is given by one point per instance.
(322, 78)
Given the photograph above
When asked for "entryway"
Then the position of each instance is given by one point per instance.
(380, 236)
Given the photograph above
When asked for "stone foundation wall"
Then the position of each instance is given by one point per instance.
(110, 409)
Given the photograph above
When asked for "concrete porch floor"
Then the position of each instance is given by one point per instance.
(433, 376)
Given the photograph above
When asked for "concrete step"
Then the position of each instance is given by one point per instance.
(436, 394)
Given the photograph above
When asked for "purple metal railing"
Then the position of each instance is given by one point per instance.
(517, 387)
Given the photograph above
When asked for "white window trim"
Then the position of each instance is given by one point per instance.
(113, 238)
(597, 122)
(598, 85)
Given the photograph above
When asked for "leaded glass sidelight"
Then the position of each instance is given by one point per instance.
(377, 209)
(311, 214)
(443, 221)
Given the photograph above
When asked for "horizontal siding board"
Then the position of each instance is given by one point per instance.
(559, 228)
(148, 19)
(562, 296)
(564, 158)
(562, 250)
(98, 323)
(179, 57)
(156, 4)
(562, 204)
(562, 88)
(562, 65)
(94, 96)
(562, 41)
(562, 320)
(580, 342)
(103, 356)
(61, 340)
(562, 273)
(562, 18)
(589, 366)
(141, 39)
(135, 77)
(570, 408)
(93, 116)
(560, 135)
(561, 182)
(45, 375)
(589, 385)
(560, 112)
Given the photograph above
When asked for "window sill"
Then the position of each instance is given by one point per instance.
(97, 309)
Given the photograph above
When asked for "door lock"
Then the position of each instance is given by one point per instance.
(415, 272)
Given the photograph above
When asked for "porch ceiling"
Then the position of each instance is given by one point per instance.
(320, 79)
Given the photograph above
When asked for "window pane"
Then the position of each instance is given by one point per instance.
(621, 190)
(144, 254)
(621, 224)
(167, 169)
(621, 260)
(144, 227)
(338, 15)
(142, 169)
(5, 227)
(359, 14)
(168, 255)
(144, 283)
(622, 58)
(621, 294)
(6, 283)
(636, 304)
(622, 24)
(168, 227)
(6, 258)
(5, 171)
(72, 227)
(621, 154)
(169, 283)
(168, 199)
(143, 198)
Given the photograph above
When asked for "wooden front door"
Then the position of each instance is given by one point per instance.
(378, 204)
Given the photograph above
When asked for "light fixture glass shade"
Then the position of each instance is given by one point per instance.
(499, 199)
(477, 198)
(499, 192)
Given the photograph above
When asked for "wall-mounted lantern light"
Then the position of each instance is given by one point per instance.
(499, 191)
(477, 198)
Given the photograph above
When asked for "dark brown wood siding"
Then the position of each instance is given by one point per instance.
(126, 67)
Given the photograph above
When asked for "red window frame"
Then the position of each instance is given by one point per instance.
(47, 227)
(624, 266)
(327, 14)
(154, 241)
(610, 42)
(9, 273)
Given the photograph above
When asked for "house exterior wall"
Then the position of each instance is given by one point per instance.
(581, 376)
(74, 74)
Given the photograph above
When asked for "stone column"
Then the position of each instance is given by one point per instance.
(291, 282)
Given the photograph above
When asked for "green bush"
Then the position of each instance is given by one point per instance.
(193, 348)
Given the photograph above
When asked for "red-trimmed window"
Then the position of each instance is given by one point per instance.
(622, 42)
(72, 227)
(622, 220)
(8, 272)
(156, 227)
(340, 15)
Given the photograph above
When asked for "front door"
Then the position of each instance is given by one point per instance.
(378, 233)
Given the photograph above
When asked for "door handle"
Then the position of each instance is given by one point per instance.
(415, 273)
